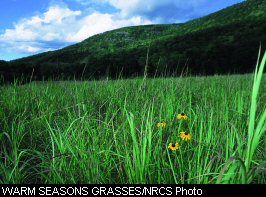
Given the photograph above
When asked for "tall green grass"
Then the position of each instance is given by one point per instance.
(105, 131)
(243, 168)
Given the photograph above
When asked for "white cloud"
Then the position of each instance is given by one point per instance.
(57, 14)
(148, 7)
(28, 33)
(28, 48)
(45, 27)
(60, 26)
(97, 23)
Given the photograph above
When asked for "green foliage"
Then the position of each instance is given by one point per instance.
(244, 170)
(106, 131)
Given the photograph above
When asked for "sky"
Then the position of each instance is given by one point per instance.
(29, 27)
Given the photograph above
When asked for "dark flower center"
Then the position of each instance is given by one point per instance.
(186, 133)
(173, 145)
(182, 114)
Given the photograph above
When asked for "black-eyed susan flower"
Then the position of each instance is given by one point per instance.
(173, 147)
(182, 116)
(161, 124)
(185, 135)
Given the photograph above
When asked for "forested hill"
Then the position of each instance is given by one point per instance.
(223, 42)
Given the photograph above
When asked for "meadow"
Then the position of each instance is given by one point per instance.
(120, 131)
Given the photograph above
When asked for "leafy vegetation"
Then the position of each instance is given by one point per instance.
(224, 42)
(131, 131)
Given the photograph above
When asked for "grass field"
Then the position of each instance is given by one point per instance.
(108, 131)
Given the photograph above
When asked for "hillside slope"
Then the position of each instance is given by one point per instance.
(223, 42)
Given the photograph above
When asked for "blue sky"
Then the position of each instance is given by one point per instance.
(29, 27)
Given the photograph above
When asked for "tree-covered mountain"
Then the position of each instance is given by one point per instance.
(223, 42)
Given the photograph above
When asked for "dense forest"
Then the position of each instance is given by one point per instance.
(224, 42)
